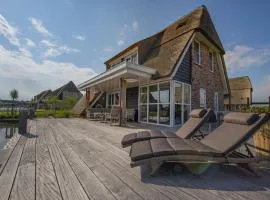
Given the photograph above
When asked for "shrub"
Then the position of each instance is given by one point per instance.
(56, 114)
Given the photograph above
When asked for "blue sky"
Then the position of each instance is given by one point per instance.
(44, 44)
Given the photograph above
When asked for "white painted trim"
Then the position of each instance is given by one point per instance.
(200, 56)
(183, 56)
(212, 69)
(220, 63)
(122, 68)
(182, 104)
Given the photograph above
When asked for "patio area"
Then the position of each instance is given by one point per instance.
(82, 159)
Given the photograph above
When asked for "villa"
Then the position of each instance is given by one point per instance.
(67, 90)
(166, 75)
(241, 93)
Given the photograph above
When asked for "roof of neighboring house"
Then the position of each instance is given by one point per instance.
(164, 49)
(59, 90)
(42, 95)
(239, 83)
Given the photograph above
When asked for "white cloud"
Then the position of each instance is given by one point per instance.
(242, 57)
(135, 25)
(108, 49)
(20, 71)
(262, 90)
(53, 49)
(120, 42)
(25, 52)
(39, 27)
(9, 32)
(79, 37)
(30, 43)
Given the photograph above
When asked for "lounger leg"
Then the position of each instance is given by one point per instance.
(150, 169)
(247, 167)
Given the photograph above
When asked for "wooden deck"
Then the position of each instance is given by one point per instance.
(78, 159)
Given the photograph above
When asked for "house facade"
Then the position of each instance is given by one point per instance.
(67, 90)
(241, 93)
(167, 74)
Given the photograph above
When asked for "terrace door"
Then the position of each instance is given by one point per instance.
(216, 106)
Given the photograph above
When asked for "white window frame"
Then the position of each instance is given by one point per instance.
(112, 103)
(198, 63)
(216, 101)
(203, 90)
(211, 67)
(130, 56)
(158, 103)
(182, 103)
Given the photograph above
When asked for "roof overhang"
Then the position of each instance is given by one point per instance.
(123, 70)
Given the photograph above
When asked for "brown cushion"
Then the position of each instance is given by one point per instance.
(141, 150)
(241, 118)
(197, 113)
(169, 146)
(145, 135)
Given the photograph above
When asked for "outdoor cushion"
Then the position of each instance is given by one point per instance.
(186, 131)
(169, 146)
(241, 118)
(145, 135)
(230, 136)
(197, 113)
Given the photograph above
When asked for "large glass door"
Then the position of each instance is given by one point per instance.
(182, 102)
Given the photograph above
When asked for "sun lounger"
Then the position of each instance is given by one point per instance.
(198, 118)
(218, 147)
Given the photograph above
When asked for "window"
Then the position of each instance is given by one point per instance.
(143, 104)
(216, 105)
(133, 58)
(164, 103)
(182, 103)
(211, 61)
(202, 98)
(113, 99)
(197, 51)
(155, 103)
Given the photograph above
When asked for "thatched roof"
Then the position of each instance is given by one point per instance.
(42, 95)
(59, 90)
(239, 83)
(163, 50)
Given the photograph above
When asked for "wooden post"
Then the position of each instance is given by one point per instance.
(23, 121)
(123, 105)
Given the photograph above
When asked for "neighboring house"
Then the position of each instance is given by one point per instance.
(40, 99)
(241, 93)
(67, 90)
(167, 74)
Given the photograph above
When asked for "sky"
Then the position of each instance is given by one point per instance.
(45, 44)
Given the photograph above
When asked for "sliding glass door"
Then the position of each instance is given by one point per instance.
(155, 103)
(182, 102)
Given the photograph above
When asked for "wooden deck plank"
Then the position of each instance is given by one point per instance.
(116, 151)
(201, 191)
(127, 177)
(94, 188)
(47, 187)
(9, 172)
(119, 189)
(24, 184)
(4, 156)
(69, 185)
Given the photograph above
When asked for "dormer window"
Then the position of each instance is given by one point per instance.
(197, 52)
(211, 61)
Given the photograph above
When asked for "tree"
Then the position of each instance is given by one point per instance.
(14, 94)
(53, 101)
(69, 102)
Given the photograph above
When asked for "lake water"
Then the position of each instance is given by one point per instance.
(7, 131)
